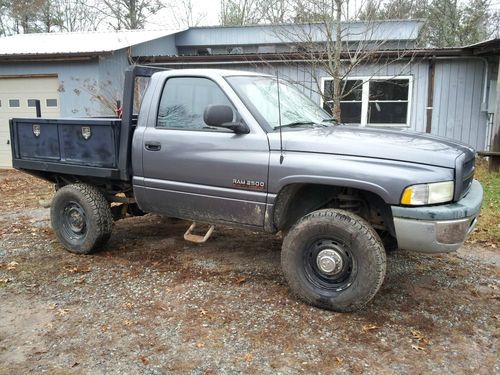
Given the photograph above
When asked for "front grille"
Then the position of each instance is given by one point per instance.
(467, 175)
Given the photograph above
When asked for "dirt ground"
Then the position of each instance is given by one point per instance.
(151, 303)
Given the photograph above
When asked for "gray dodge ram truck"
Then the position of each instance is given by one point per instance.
(246, 149)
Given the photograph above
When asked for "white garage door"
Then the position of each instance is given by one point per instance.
(17, 97)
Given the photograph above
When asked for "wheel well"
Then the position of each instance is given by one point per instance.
(296, 200)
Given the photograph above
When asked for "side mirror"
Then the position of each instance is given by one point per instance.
(222, 116)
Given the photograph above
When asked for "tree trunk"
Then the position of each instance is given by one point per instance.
(337, 84)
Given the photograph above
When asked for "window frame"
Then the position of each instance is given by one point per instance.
(365, 98)
(217, 130)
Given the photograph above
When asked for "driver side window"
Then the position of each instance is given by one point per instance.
(184, 100)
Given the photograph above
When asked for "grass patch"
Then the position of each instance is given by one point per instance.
(488, 227)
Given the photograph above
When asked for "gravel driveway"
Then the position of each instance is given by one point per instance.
(151, 303)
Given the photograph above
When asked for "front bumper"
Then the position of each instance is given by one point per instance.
(438, 229)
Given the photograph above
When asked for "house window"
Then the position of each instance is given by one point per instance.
(374, 101)
(51, 102)
(31, 102)
(14, 103)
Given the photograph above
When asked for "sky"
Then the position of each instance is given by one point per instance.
(206, 10)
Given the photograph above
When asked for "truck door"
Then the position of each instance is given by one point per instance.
(195, 171)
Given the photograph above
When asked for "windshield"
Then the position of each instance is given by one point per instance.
(261, 95)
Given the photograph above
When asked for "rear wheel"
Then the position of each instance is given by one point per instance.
(334, 259)
(81, 218)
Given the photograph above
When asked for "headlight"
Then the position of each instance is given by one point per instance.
(418, 195)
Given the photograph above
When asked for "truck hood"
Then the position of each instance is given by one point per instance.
(401, 145)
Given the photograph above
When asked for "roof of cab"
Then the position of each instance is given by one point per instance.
(212, 72)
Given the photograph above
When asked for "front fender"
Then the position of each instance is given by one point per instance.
(385, 178)
(337, 181)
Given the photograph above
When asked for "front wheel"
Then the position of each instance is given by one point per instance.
(81, 218)
(333, 259)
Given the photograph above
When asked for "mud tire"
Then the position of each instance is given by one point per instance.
(81, 218)
(360, 248)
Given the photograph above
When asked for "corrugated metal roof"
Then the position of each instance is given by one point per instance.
(352, 31)
(77, 42)
(483, 43)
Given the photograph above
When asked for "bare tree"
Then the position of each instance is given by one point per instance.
(240, 12)
(27, 16)
(80, 15)
(276, 11)
(49, 16)
(185, 13)
(449, 23)
(129, 14)
(334, 47)
(23, 15)
(495, 24)
(5, 20)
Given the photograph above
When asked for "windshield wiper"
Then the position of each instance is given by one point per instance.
(296, 123)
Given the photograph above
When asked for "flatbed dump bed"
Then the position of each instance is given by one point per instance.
(86, 146)
(93, 147)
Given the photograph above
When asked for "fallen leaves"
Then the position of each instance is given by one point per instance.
(80, 280)
(12, 265)
(144, 360)
(128, 305)
(62, 312)
(203, 312)
(416, 347)
(200, 345)
(4, 281)
(369, 327)
(241, 280)
(419, 336)
(59, 311)
(248, 357)
(33, 189)
(422, 341)
(76, 269)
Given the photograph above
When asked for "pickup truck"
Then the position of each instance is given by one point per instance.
(251, 150)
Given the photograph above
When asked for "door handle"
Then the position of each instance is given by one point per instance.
(152, 146)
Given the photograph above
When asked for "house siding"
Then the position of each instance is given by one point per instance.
(77, 81)
(74, 99)
(159, 47)
(457, 105)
